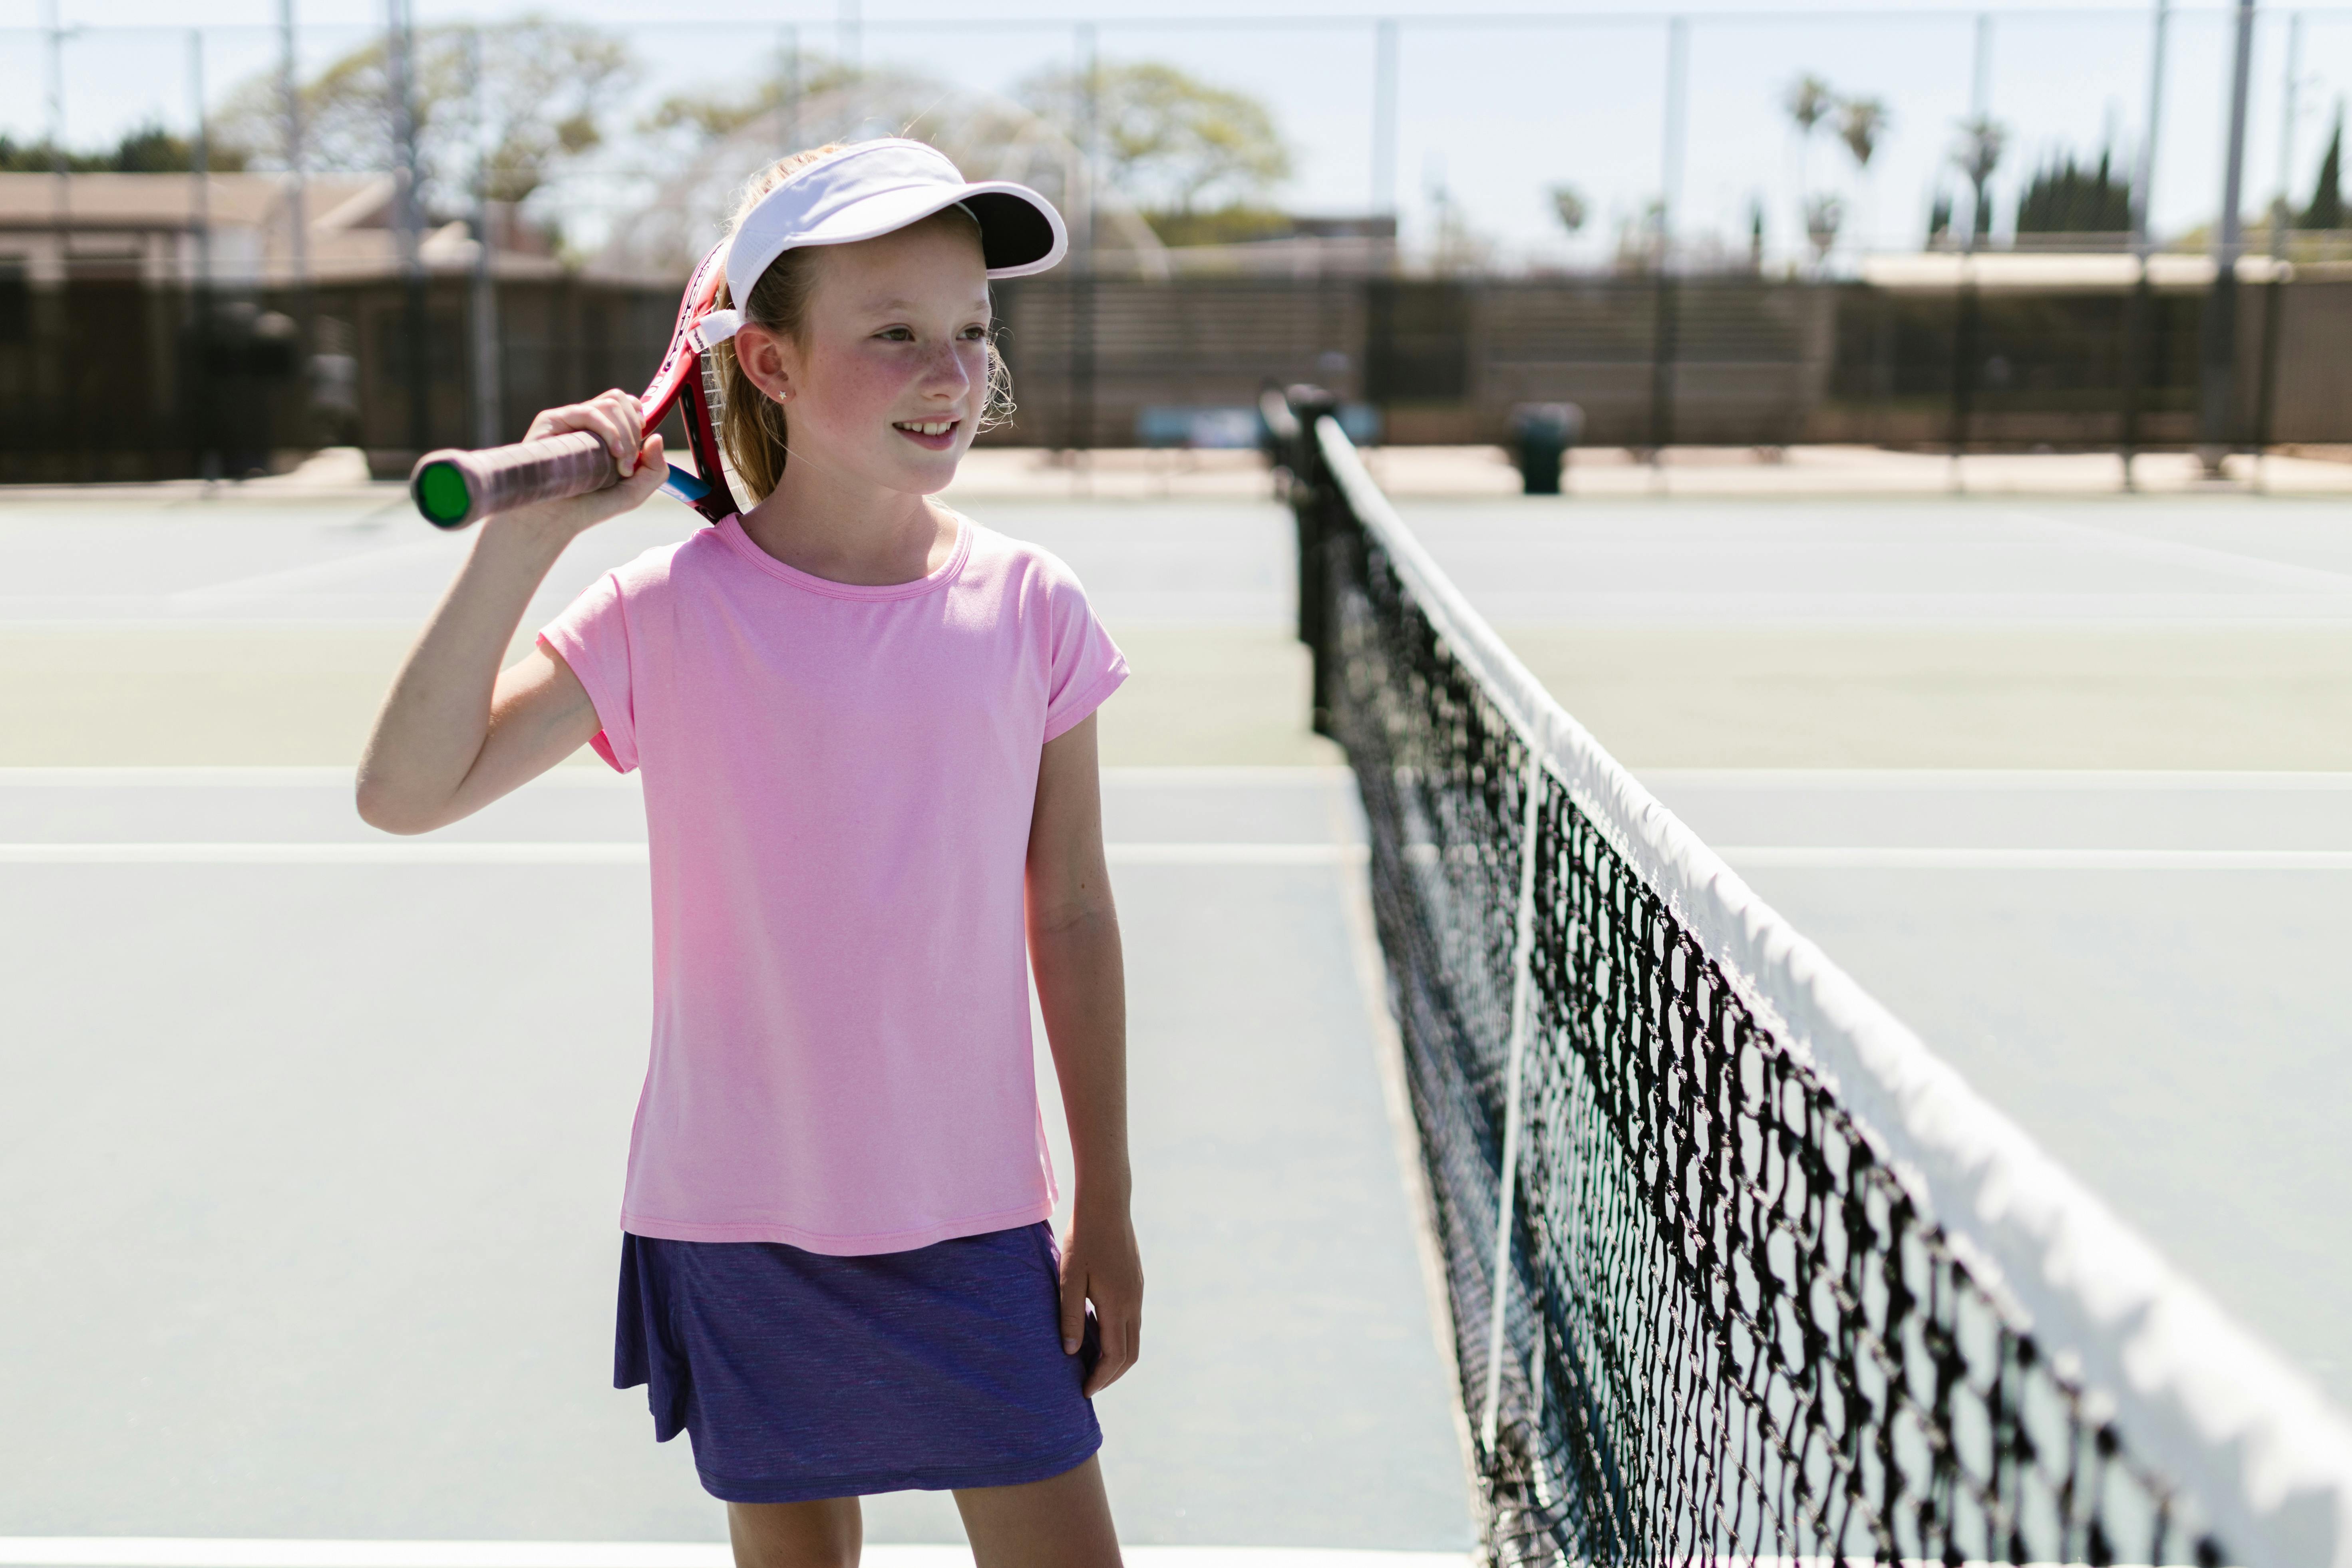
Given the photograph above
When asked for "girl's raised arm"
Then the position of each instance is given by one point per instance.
(457, 732)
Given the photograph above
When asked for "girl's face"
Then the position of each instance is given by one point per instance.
(889, 377)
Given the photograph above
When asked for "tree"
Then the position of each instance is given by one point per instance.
(2326, 208)
(1568, 206)
(1166, 139)
(1824, 213)
(148, 150)
(544, 84)
(1977, 153)
(1861, 122)
(1809, 101)
(2067, 197)
(711, 114)
(1642, 239)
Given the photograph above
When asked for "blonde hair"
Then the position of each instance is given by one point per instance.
(751, 431)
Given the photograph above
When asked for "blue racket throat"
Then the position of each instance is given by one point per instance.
(683, 486)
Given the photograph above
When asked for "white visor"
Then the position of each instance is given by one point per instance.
(874, 188)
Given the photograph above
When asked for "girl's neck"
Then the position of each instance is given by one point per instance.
(831, 523)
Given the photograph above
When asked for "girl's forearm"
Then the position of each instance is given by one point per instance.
(1082, 990)
(431, 728)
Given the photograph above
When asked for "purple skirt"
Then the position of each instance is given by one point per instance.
(800, 1375)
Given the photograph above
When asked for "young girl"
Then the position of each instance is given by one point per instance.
(864, 728)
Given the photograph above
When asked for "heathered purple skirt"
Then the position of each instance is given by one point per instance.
(800, 1375)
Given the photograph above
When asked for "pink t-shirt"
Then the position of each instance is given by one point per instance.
(838, 784)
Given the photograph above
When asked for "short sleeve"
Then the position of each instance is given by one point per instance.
(592, 638)
(1086, 665)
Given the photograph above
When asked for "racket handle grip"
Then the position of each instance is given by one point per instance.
(454, 488)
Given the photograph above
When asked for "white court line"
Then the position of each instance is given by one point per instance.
(572, 776)
(158, 1551)
(1236, 854)
(1896, 858)
(1997, 780)
(582, 774)
(409, 852)
(623, 853)
(360, 564)
(398, 852)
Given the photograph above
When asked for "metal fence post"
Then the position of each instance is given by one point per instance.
(400, 42)
(789, 108)
(1081, 422)
(1965, 321)
(2273, 300)
(1384, 114)
(488, 401)
(1666, 318)
(2217, 430)
(298, 221)
(203, 427)
(2140, 307)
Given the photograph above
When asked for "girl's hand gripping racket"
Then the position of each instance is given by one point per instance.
(454, 488)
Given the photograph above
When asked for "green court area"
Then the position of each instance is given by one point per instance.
(2065, 784)
(2212, 633)
(250, 694)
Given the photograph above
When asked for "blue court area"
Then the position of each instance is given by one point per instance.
(313, 1139)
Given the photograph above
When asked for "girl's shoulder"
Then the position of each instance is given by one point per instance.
(661, 568)
(1020, 566)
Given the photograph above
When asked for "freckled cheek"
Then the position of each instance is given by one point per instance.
(860, 390)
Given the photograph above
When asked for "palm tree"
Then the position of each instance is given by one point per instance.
(1824, 213)
(1568, 206)
(1862, 122)
(1809, 101)
(1978, 154)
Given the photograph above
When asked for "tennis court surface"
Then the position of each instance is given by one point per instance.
(321, 1132)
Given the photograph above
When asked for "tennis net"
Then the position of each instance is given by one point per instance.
(1736, 1268)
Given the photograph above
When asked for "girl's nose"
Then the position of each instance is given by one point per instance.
(944, 368)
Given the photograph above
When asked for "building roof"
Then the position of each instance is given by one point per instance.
(152, 220)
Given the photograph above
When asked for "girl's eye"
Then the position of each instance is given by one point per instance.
(974, 334)
(896, 334)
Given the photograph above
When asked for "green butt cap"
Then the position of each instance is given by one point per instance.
(442, 495)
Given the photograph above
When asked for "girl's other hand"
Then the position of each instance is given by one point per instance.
(614, 418)
(1102, 1265)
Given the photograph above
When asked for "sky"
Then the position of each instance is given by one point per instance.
(1493, 110)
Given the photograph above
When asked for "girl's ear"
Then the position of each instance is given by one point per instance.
(761, 355)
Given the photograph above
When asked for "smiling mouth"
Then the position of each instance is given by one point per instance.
(935, 433)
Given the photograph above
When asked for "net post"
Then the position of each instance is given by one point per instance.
(1522, 986)
(1320, 511)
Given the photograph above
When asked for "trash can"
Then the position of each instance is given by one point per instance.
(1541, 434)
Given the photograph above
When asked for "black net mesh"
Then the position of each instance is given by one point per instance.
(1730, 1329)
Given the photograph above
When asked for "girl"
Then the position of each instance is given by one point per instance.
(864, 727)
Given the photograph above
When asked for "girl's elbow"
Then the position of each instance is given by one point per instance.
(384, 808)
(1090, 917)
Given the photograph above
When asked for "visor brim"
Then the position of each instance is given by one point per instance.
(1020, 232)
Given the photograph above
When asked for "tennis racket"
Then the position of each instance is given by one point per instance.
(454, 488)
